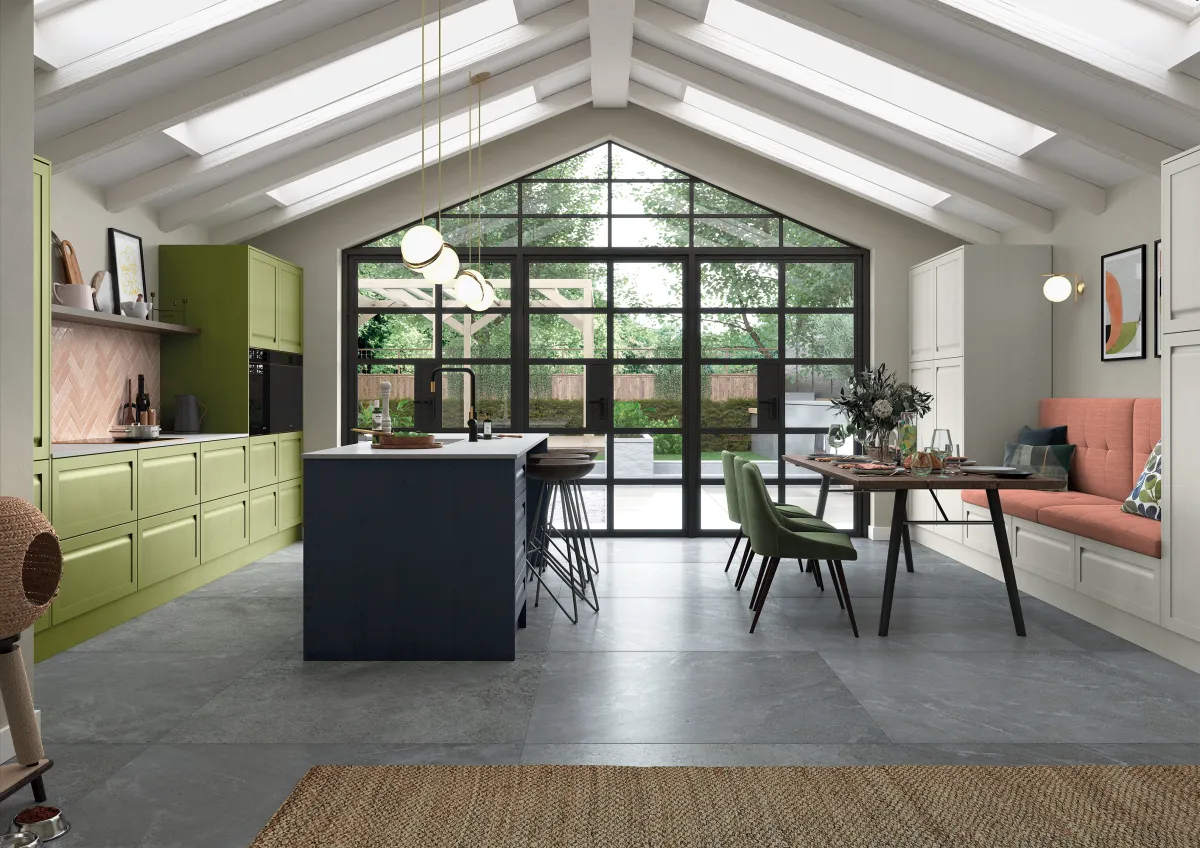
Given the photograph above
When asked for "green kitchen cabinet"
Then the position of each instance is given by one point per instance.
(98, 568)
(289, 309)
(224, 468)
(264, 513)
(42, 488)
(168, 479)
(168, 544)
(264, 301)
(42, 287)
(264, 461)
(291, 449)
(94, 492)
(291, 503)
(224, 526)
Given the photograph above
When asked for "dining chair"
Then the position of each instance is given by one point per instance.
(732, 509)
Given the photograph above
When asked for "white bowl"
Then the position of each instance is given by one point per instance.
(135, 308)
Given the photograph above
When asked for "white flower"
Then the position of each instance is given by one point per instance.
(882, 409)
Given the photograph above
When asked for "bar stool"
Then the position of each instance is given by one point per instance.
(591, 454)
(560, 549)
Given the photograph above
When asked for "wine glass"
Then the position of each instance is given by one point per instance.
(941, 446)
(836, 437)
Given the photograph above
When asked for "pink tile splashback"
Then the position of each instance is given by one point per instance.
(89, 368)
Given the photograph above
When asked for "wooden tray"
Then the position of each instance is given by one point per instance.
(434, 446)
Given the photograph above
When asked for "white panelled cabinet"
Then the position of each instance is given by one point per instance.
(1181, 248)
(1181, 483)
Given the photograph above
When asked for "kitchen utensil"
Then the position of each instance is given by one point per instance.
(76, 297)
(19, 840)
(378, 446)
(102, 292)
(135, 308)
(187, 414)
(137, 433)
(130, 409)
(71, 264)
(45, 831)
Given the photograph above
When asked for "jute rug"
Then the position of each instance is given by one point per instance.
(611, 807)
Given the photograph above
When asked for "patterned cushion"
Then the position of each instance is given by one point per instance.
(1053, 461)
(1145, 497)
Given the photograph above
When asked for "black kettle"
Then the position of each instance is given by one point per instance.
(187, 413)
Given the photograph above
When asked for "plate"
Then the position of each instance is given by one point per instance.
(1013, 475)
(989, 469)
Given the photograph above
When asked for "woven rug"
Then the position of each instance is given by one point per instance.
(619, 807)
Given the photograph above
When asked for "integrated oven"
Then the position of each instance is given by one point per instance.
(276, 392)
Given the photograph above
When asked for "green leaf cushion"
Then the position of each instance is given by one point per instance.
(1146, 497)
(1053, 461)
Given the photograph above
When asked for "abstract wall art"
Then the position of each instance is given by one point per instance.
(1123, 305)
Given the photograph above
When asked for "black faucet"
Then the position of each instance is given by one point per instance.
(472, 424)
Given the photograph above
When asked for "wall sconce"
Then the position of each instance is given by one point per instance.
(1059, 287)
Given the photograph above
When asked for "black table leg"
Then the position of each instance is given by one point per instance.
(823, 496)
(899, 525)
(907, 539)
(1006, 564)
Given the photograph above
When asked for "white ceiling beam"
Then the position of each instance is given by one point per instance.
(272, 219)
(46, 8)
(612, 41)
(679, 111)
(844, 136)
(975, 79)
(44, 58)
(564, 24)
(158, 113)
(147, 48)
(711, 46)
(311, 161)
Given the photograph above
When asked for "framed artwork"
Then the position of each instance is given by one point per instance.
(1122, 307)
(126, 265)
(1158, 287)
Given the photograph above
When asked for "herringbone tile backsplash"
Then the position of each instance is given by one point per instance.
(89, 368)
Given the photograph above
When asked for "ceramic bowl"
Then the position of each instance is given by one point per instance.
(135, 308)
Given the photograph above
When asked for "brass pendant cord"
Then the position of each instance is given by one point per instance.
(422, 111)
(439, 91)
(470, 178)
(479, 141)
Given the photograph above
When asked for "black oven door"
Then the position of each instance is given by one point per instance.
(285, 394)
(259, 425)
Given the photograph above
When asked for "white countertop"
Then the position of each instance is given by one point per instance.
(62, 450)
(462, 449)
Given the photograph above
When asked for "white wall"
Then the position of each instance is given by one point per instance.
(1080, 239)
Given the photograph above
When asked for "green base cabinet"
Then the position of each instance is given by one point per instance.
(168, 545)
(98, 568)
(264, 461)
(42, 285)
(224, 468)
(225, 526)
(94, 492)
(291, 503)
(168, 479)
(291, 449)
(264, 513)
(42, 488)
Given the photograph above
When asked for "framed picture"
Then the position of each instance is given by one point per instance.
(1158, 287)
(126, 266)
(1122, 307)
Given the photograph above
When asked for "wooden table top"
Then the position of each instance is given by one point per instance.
(872, 483)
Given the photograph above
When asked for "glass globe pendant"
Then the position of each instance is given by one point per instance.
(421, 247)
(443, 269)
(487, 301)
(470, 287)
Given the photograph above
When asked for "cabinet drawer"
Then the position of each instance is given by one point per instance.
(1124, 579)
(168, 545)
(1043, 550)
(94, 492)
(264, 513)
(42, 488)
(225, 468)
(264, 461)
(291, 504)
(225, 526)
(291, 446)
(97, 568)
(168, 479)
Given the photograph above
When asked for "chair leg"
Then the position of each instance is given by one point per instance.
(769, 567)
(736, 542)
(836, 587)
(841, 576)
(744, 568)
(758, 585)
(814, 566)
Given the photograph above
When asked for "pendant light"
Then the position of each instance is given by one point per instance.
(422, 245)
(445, 266)
(471, 286)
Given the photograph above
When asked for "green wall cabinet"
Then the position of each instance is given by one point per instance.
(94, 492)
(225, 526)
(264, 461)
(264, 301)
(290, 309)
(291, 449)
(42, 286)
(168, 479)
(291, 503)
(98, 568)
(264, 513)
(224, 468)
(168, 544)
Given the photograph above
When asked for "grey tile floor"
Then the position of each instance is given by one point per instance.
(189, 725)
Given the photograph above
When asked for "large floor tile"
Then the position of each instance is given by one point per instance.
(694, 697)
(262, 579)
(930, 579)
(1160, 673)
(1011, 697)
(287, 700)
(128, 697)
(78, 769)
(1085, 635)
(663, 550)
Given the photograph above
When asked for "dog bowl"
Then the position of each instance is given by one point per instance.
(19, 840)
(45, 831)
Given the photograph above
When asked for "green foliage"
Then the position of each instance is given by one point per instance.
(878, 401)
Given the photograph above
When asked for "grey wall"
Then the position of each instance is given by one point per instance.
(1080, 239)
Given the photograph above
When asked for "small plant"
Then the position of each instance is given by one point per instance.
(877, 402)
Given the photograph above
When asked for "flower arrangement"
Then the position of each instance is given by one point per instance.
(876, 403)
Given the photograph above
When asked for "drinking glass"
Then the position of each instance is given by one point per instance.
(941, 446)
(922, 464)
(836, 437)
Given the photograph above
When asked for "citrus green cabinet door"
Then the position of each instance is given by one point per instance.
(291, 504)
(291, 308)
(225, 526)
(264, 302)
(264, 461)
(291, 447)
(41, 487)
(224, 468)
(41, 309)
(264, 513)
(168, 479)
(94, 492)
(97, 569)
(168, 545)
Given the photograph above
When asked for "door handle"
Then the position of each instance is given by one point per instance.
(773, 403)
(601, 405)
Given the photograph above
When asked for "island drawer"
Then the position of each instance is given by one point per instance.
(520, 559)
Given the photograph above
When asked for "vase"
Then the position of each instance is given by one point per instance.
(877, 447)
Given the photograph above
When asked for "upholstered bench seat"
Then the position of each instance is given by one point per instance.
(1027, 505)
(1107, 524)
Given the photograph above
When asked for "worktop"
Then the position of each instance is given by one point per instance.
(63, 450)
(455, 446)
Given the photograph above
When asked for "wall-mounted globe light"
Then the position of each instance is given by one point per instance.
(1059, 288)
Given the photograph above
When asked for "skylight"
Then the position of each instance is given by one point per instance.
(454, 140)
(806, 147)
(342, 78)
(876, 77)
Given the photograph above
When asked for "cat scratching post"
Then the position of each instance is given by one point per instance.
(30, 570)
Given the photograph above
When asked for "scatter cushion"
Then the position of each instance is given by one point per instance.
(1146, 495)
(1053, 461)
(1044, 436)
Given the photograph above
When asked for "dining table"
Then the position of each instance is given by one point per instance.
(900, 483)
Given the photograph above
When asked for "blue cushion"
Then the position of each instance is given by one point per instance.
(1044, 436)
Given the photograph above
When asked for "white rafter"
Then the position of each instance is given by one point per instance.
(308, 162)
(612, 41)
(289, 61)
(515, 122)
(711, 46)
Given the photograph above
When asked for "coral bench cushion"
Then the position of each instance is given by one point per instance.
(1108, 524)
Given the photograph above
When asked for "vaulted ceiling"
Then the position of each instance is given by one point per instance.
(970, 115)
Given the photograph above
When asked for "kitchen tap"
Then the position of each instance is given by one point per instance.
(472, 424)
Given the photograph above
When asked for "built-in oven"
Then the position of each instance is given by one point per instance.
(276, 392)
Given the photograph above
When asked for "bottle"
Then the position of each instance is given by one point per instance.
(142, 402)
(487, 426)
(377, 416)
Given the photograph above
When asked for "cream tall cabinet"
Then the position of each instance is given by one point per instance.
(980, 343)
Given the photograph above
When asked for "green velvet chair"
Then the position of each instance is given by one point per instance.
(729, 471)
(773, 538)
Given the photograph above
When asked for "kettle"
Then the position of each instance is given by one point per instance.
(187, 413)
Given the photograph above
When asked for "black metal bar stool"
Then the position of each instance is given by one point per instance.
(591, 454)
(561, 550)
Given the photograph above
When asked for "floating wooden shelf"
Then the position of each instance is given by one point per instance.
(120, 322)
